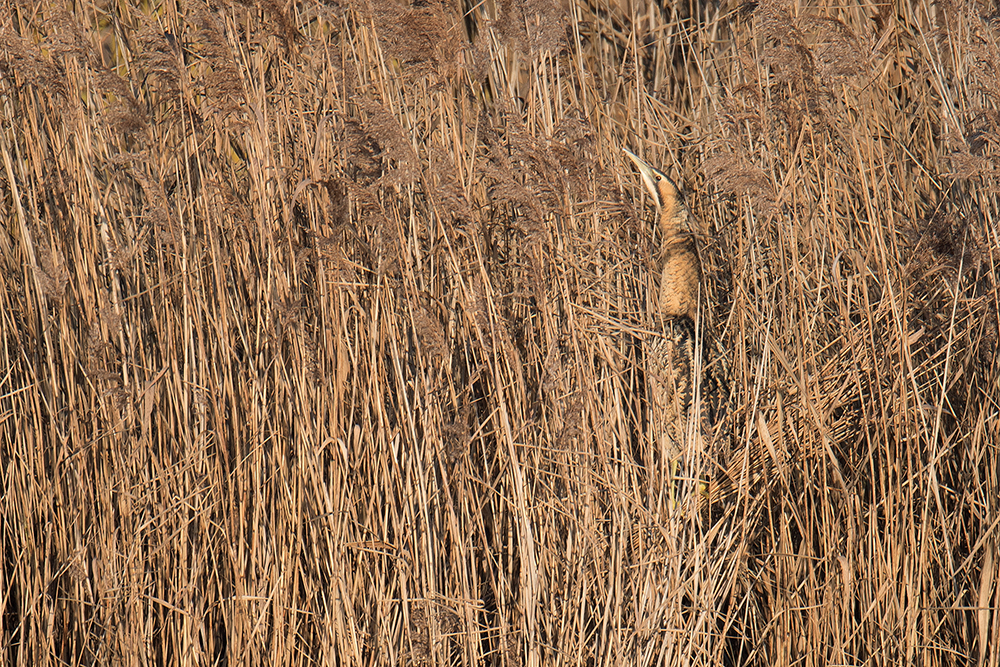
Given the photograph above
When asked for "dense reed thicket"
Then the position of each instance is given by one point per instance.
(321, 332)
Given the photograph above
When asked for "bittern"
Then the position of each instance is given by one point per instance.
(841, 391)
(670, 355)
(680, 270)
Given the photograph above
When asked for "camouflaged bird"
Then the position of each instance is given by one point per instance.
(671, 378)
(670, 355)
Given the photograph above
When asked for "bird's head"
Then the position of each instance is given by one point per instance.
(670, 208)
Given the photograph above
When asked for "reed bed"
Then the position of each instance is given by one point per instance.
(322, 332)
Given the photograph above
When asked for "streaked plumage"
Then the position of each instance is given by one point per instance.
(680, 269)
(670, 355)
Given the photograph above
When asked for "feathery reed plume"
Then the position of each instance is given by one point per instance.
(400, 163)
(223, 83)
(536, 29)
(23, 59)
(425, 39)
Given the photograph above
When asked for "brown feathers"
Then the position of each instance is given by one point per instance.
(680, 270)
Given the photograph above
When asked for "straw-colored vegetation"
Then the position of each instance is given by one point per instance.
(322, 333)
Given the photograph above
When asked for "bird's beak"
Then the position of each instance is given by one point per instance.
(650, 177)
